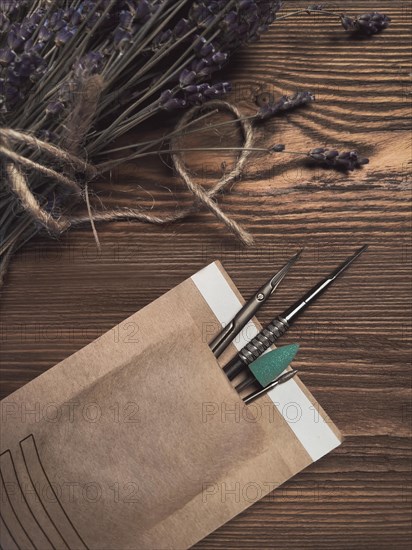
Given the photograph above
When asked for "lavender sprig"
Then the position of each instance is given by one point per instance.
(366, 24)
(331, 158)
(285, 103)
(344, 161)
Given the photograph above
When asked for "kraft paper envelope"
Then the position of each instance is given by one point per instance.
(139, 441)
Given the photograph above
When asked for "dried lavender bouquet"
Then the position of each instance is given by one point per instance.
(77, 75)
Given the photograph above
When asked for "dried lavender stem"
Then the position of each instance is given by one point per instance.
(147, 111)
(111, 164)
(120, 67)
(151, 109)
(163, 138)
(329, 157)
(308, 11)
(154, 60)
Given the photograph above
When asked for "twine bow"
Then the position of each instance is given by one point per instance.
(15, 163)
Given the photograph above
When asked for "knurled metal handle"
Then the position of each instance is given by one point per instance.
(263, 340)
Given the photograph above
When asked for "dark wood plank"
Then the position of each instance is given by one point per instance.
(355, 342)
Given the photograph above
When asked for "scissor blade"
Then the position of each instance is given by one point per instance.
(249, 310)
(280, 275)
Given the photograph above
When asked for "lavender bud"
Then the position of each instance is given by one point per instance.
(347, 22)
(125, 19)
(192, 89)
(161, 39)
(221, 88)
(230, 20)
(11, 94)
(121, 39)
(57, 21)
(202, 15)
(142, 9)
(206, 50)
(63, 36)
(29, 46)
(174, 104)
(187, 77)
(211, 93)
(181, 28)
(195, 99)
(76, 18)
(14, 40)
(331, 154)
(7, 56)
(45, 34)
(278, 148)
(165, 96)
(219, 58)
(202, 69)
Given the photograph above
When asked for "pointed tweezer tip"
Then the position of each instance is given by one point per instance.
(358, 253)
(298, 253)
(344, 266)
(287, 376)
(363, 248)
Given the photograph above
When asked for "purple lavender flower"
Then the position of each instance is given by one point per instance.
(366, 24)
(7, 56)
(169, 102)
(205, 91)
(193, 94)
(285, 103)
(246, 21)
(345, 161)
(187, 77)
(45, 28)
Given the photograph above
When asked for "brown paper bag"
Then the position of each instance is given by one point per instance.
(139, 440)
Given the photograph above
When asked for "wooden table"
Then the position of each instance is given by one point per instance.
(355, 354)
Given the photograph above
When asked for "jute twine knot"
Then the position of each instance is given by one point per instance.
(16, 163)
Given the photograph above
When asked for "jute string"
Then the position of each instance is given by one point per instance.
(15, 163)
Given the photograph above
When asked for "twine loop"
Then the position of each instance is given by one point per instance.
(15, 163)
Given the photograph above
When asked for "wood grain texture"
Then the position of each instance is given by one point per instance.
(355, 342)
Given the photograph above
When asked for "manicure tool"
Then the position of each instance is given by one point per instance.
(281, 380)
(245, 314)
(269, 366)
(278, 326)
